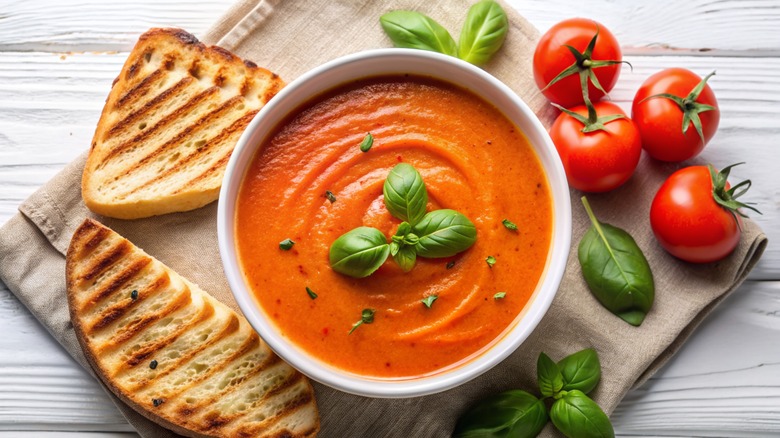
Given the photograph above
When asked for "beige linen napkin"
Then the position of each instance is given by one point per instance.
(291, 37)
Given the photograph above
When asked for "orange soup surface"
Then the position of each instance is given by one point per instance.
(472, 159)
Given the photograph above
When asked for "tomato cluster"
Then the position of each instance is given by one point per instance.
(695, 215)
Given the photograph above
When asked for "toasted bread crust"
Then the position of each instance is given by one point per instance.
(170, 123)
(212, 375)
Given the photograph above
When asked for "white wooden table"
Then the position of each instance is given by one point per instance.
(57, 61)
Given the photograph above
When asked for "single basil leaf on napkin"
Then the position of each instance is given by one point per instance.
(616, 270)
(581, 370)
(510, 414)
(483, 32)
(414, 30)
(577, 416)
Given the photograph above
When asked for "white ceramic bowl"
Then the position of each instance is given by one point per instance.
(381, 63)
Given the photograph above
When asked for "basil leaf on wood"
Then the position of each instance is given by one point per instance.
(616, 271)
(580, 370)
(405, 194)
(414, 30)
(577, 416)
(514, 413)
(405, 257)
(548, 375)
(444, 233)
(483, 32)
(359, 252)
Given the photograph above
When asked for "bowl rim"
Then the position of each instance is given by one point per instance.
(508, 341)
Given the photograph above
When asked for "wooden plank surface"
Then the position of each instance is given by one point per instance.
(724, 382)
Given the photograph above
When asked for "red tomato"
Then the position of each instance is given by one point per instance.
(688, 222)
(660, 120)
(601, 160)
(552, 57)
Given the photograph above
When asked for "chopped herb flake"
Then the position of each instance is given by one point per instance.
(286, 244)
(331, 197)
(311, 293)
(450, 264)
(490, 260)
(499, 295)
(367, 142)
(509, 225)
(153, 364)
(157, 402)
(366, 317)
(428, 301)
(134, 294)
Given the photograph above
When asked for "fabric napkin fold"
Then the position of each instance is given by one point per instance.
(290, 37)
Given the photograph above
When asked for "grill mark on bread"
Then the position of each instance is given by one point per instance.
(112, 284)
(106, 259)
(150, 106)
(252, 430)
(202, 123)
(136, 326)
(223, 136)
(112, 313)
(167, 120)
(140, 89)
(228, 330)
(149, 350)
(94, 240)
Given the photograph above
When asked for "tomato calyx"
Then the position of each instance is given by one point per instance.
(728, 198)
(584, 65)
(689, 106)
(593, 122)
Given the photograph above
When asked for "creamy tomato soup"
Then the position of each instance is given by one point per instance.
(472, 159)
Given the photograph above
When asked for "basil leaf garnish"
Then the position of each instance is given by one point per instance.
(580, 370)
(405, 257)
(483, 32)
(367, 142)
(616, 271)
(360, 252)
(444, 233)
(548, 375)
(428, 301)
(512, 413)
(405, 194)
(577, 416)
(414, 30)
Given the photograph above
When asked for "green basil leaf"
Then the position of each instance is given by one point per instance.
(405, 194)
(444, 233)
(414, 30)
(577, 416)
(360, 252)
(616, 270)
(483, 32)
(548, 375)
(367, 142)
(510, 414)
(428, 301)
(581, 370)
(405, 257)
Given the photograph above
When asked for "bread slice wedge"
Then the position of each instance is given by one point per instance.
(172, 352)
(169, 125)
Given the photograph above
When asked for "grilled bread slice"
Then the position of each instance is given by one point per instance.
(169, 125)
(174, 353)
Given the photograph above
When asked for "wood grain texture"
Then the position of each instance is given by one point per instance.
(724, 382)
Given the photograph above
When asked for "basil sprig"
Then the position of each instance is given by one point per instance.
(616, 270)
(483, 32)
(439, 233)
(517, 413)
